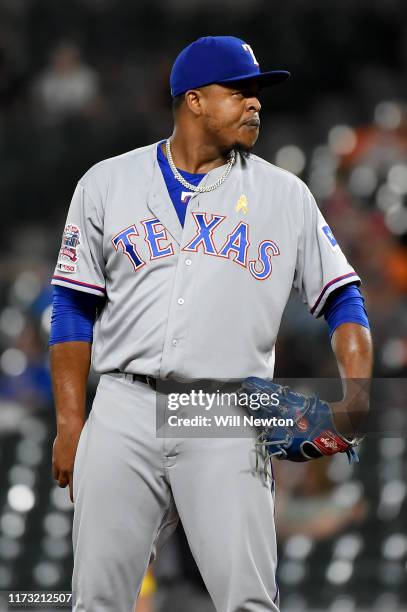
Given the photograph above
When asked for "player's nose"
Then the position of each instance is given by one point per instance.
(253, 104)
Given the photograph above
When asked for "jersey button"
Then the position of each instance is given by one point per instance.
(174, 342)
(188, 262)
(180, 301)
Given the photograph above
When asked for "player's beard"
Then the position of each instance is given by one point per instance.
(243, 149)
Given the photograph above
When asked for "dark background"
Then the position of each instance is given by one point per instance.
(88, 79)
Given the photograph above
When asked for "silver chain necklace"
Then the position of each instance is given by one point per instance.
(189, 186)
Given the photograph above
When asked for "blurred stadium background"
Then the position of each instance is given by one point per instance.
(88, 79)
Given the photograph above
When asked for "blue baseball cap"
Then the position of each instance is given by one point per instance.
(218, 59)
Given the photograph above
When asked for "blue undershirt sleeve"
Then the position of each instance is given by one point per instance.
(73, 315)
(345, 305)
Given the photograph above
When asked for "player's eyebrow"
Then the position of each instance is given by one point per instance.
(248, 93)
(246, 89)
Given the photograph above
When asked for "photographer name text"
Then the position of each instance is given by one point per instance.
(236, 420)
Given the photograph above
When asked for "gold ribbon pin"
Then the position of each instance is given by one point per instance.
(242, 205)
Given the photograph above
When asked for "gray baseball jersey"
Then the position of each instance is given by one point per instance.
(206, 300)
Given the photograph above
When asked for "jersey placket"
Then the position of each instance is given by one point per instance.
(175, 348)
(185, 291)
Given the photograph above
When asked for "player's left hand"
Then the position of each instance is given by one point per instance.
(310, 428)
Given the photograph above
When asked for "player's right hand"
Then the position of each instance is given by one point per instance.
(63, 455)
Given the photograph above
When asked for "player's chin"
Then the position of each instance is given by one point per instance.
(245, 141)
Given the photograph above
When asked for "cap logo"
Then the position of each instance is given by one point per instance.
(248, 48)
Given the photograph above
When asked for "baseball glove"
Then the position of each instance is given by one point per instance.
(311, 432)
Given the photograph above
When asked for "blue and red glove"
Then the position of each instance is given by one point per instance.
(312, 433)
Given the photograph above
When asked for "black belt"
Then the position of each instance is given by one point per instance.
(143, 378)
(147, 380)
(170, 386)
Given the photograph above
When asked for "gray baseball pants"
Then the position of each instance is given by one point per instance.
(130, 487)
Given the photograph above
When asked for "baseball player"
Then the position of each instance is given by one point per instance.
(177, 261)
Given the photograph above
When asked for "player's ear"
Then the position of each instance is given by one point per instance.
(193, 100)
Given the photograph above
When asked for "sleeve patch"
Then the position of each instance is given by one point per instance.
(69, 246)
(329, 235)
(67, 268)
